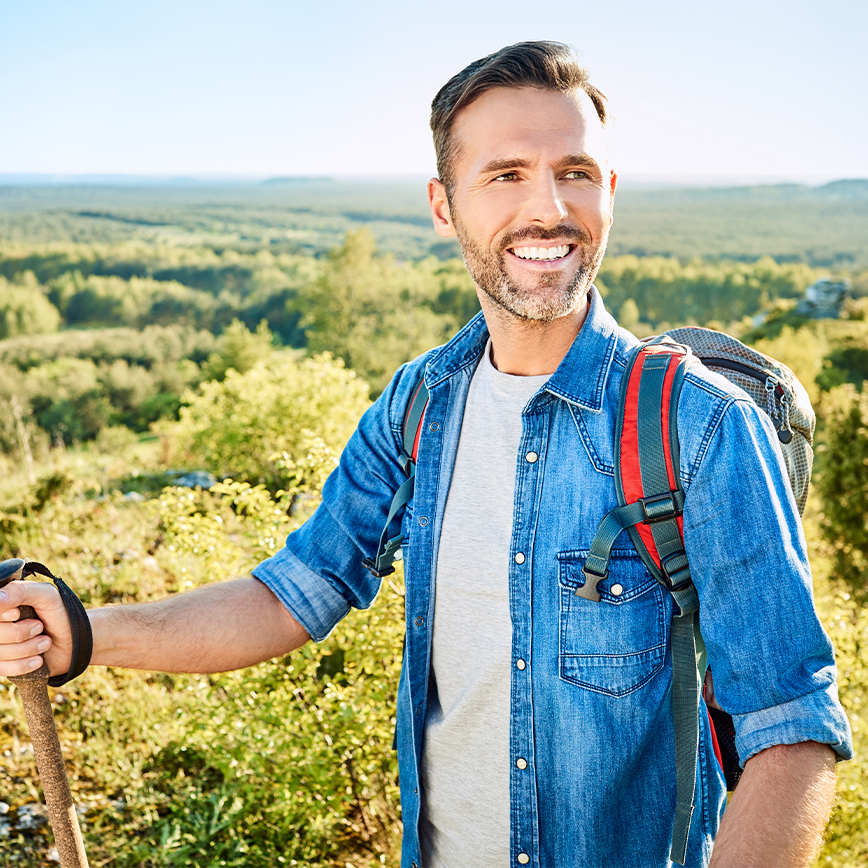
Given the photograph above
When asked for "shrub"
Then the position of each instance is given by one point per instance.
(282, 423)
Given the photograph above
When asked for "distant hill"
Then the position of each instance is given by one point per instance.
(824, 226)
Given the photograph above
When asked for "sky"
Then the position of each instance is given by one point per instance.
(764, 89)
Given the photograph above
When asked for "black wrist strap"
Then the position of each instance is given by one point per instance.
(82, 637)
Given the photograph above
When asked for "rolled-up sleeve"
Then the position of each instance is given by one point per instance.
(773, 664)
(319, 575)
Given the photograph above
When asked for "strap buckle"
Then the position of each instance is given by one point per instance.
(371, 566)
(589, 589)
(676, 570)
(660, 507)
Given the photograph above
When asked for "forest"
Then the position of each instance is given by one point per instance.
(238, 332)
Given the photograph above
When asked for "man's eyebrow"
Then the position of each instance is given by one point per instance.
(580, 160)
(502, 165)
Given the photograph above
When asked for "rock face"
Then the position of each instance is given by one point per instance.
(824, 299)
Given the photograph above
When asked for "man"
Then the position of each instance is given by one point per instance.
(535, 726)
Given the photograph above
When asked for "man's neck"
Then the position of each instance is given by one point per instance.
(528, 348)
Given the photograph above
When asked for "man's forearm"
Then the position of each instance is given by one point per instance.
(776, 817)
(227, 625)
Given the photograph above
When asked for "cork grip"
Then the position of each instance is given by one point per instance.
(33, 687)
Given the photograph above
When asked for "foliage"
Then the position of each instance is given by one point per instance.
(287, 763)
(238, 349)
(668, 292)
(844, 484)
(24, 310)
(282, 423)
(372, 312)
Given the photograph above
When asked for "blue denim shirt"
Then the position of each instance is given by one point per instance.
(590, 696)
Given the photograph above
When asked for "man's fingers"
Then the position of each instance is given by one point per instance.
(49, 633)
(20, 645)
(42, 596)
(20, 631)
(11, 668)
(26, 648)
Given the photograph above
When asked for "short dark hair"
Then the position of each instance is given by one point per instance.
(546, 65)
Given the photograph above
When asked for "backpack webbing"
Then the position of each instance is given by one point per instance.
(381, 564)
(651, 502)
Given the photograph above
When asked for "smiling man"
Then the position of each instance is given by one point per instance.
(535, 726)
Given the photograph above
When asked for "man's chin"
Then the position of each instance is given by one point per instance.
(531, 307)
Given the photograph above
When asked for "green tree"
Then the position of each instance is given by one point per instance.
(238, 349)
(24, 310)
(371, 311)
(843, 483)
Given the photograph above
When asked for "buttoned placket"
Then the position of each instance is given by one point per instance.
(524, 816)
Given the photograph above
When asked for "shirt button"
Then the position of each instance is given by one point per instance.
(520, 663)
(617, 590)
(419, 621)
(531, 457)
(523, 858)
(423, 522)
(521, 763)
(519, 558)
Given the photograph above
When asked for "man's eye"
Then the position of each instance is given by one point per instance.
(506, 176)
(577, 174)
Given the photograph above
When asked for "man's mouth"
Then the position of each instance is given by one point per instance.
(542, 254)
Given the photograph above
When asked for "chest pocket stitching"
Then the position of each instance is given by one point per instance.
(600, 648)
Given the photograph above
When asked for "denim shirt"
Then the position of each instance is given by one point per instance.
(591, 710)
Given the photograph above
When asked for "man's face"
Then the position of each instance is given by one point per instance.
(533, 198)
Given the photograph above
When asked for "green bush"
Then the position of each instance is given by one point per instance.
(282, 423)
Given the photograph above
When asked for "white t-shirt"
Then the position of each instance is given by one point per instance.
(465, 757)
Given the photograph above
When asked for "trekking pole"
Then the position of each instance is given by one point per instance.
(33, 687)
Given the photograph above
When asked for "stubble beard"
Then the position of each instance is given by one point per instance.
(550, 296)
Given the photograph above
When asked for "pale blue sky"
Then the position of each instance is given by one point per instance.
(766, 88)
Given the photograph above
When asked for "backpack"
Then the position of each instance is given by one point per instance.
(651, 501)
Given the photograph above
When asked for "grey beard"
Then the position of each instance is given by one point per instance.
(545, 301)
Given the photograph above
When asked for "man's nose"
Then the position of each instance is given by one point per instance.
(543, 205)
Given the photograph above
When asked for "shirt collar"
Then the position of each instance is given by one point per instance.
(581, 376)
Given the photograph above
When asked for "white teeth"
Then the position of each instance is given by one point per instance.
(542, 253)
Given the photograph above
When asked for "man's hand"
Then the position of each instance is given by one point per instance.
(776, 817)
(22, 643)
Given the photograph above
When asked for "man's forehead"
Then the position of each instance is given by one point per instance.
(529, 119)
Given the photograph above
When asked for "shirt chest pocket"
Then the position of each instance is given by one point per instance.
(616, 645)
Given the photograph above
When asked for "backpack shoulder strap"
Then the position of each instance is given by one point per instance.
(651, 502)
(381, 564)
(647, 477)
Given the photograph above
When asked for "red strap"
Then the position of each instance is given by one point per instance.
(714, 742)
(415, 451)
(631, 475)
(408, 413)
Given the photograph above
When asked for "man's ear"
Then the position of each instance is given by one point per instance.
(440, 211)
(613, 182)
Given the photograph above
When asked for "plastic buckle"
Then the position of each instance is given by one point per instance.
(679, 577)
(371, 566)
(660, 507)
(589, 589)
